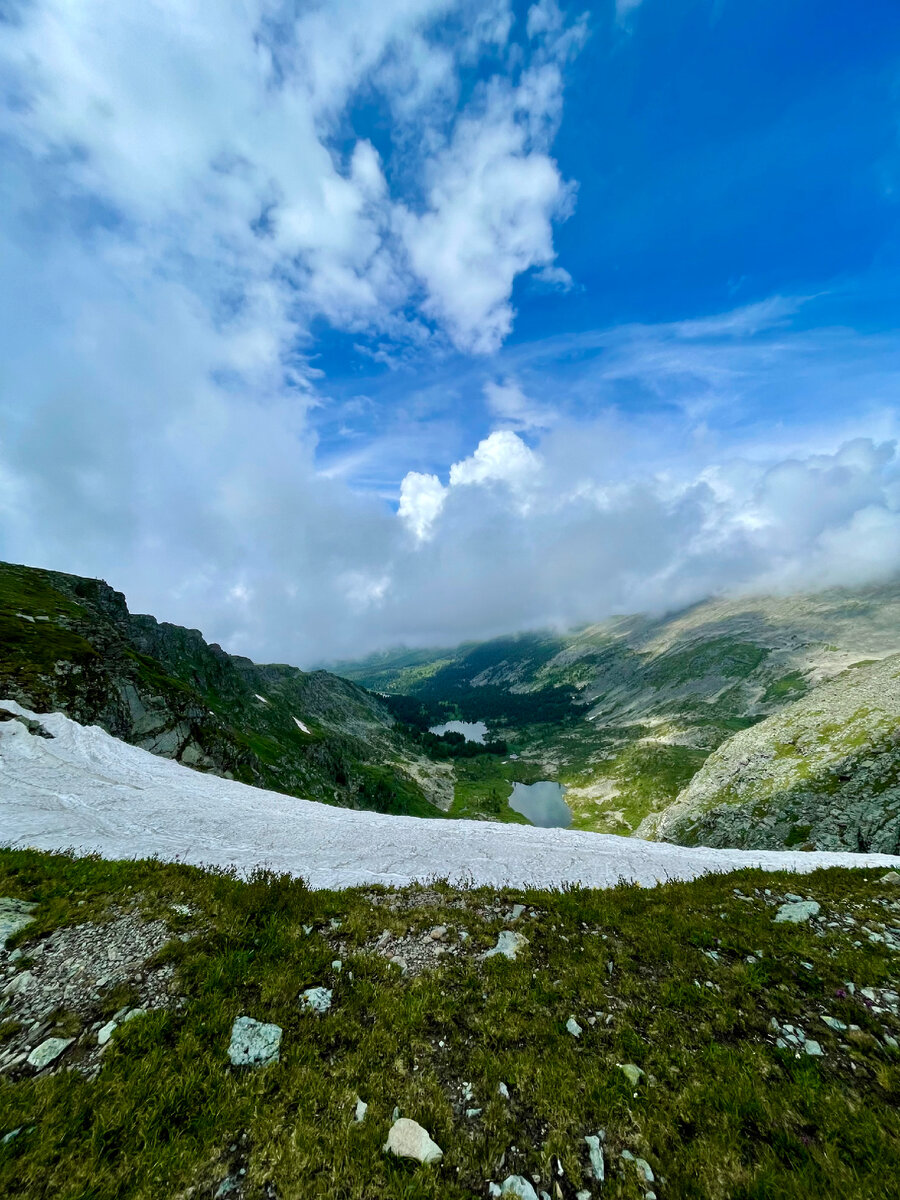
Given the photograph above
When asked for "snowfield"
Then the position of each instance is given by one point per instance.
(87, 790)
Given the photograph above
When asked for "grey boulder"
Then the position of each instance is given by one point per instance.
(254, 1043)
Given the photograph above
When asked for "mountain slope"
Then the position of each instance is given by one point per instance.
(625, 712)
(70, 644)
(824, 773)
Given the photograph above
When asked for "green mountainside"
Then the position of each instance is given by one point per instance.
(824, 772)
(626, 712)
(70, 644)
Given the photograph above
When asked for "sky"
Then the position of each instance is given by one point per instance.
(327, 327)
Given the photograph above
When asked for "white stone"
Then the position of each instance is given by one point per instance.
(14, 915)
(799, 910)
(407, 1139)
(595, 1153)
(104, 1034)
(518, 1185)
(573, 1027)
(632, 1073)
(317, 999)
(643, 1168)
(254, 1043)
(18, 984)
(48, 1052)
(509, 943)
(834, 1023)
(361, 1110)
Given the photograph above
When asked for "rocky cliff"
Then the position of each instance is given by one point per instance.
(70, 644)
(821, 774)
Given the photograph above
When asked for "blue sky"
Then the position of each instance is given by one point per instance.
(330, 326)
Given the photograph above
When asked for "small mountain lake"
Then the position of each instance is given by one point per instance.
(542, 803)
(472, 731)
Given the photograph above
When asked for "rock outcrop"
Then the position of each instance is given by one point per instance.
(822, 774)
(69, 644)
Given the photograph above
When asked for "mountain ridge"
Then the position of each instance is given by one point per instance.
(70, 644)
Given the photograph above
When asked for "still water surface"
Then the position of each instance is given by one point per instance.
(542, 803)
(472, 731)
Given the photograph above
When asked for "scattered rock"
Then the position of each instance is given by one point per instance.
(509, 943)
(254, 1043)
(19, 984)
(317, 999)
(518, 1185)
(48, 1052)
(890, 877)
(503, 1090)
(573, 1027)
(517, 911)
(643, 1168)
(798, 911)
(14, 915)
(632, 1073)
(407, 1139)
(361, 1109)
(104, 1034)
(595, 1153)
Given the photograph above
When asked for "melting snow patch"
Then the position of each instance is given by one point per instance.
(84, 788)
(262, 699)
(303, 728)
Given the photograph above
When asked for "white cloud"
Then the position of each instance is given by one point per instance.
(501, 458)
(555, 278)
(494, 193)
(421, 500)
(508, 403)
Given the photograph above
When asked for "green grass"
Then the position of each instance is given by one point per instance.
(720, 1113)
(484, 785)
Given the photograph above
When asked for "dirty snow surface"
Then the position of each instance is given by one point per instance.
(83, 788)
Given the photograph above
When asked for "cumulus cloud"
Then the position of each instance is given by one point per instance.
(501, 458)
(185, 199)
(495, 192)
(564, 545)
(421, 500)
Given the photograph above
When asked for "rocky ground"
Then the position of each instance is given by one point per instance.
(822, 774)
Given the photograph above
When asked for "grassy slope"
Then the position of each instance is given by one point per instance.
(720, 1113)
